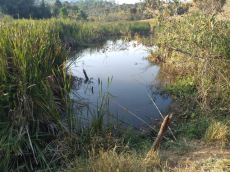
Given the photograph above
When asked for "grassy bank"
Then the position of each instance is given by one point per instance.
(34, 97)
(196, 51)
(34, 89)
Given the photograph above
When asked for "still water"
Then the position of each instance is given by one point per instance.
(133, 80)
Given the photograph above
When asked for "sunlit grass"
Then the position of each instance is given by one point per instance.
(35, 86)
(217, 133)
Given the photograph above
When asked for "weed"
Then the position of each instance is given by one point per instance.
(217, 133)
(34, 89)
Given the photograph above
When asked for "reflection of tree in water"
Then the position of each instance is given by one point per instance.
(114, 44)
(110, 45)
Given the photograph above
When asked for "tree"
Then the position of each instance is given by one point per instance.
(64, 12)
(58, 4)
(20, 8)
(133, 10)
(210, 6)
(25, 8)
(44, 10)
(56, 11)
(83, 15)
(75, 8)
(2, 2)
(66, 3)
(152, 3)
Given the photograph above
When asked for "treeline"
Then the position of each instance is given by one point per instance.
(107, 11)
(25, 8)
(94, 10)
(38, 9)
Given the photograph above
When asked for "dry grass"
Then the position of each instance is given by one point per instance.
(199, 158)
(112, 161)
(225, 15)
(217, 133)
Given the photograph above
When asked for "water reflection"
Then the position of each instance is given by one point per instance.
(133, 79)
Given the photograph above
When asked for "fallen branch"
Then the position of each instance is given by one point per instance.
(161, 114)
(186, 53)
(135, 116)
(197, 56)
(161, 133)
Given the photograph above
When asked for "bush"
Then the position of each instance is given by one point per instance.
(217, 133)
(140, 27)
(210, 6)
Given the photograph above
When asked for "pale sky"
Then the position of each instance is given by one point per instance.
(127, 1)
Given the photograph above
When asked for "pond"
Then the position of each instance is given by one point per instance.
(133, 79)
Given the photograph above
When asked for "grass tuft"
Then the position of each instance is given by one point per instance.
(217, 133)
(112, 161)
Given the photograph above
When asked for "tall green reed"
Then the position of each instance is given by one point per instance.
(34, 89)
(30, 54)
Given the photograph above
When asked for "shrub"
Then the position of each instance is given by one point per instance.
(217, 133)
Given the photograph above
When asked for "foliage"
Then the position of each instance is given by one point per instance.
(210, 6)
(106, 11)
(198, 44)
(79, 10)
(26, 9)
(194, 129)
(133, 10)
(174, 8)
(31, 55)
(141, 27)
(217, 133)
(182, 88)
(64, 12)
(58, 4)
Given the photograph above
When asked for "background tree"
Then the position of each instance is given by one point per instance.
(58, 4)
(64, 12)
(210, 6)
(56, 12)
(75, 8)
(20, 8)
(67, 4)
(133, 10)
(26, 8)
(83, 14)
(44, 10)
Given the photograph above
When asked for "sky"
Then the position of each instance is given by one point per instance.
(127, 1)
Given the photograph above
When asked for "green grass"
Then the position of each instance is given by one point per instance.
(199, 60)
(34, 90)
(31, 55)
(142, 27)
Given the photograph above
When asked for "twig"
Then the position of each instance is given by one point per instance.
(136, 117)
(184, 52)
(31, 145)
(195, 55)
